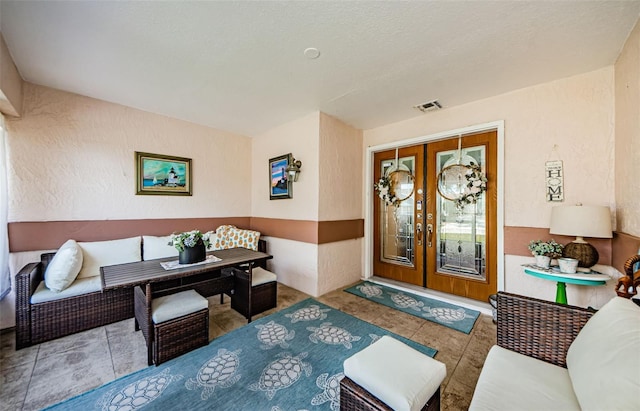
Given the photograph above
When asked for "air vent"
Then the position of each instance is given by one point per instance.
(429, 106)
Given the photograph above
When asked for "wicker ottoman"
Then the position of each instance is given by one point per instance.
(390, 375)
(172, 325)
(264, 291)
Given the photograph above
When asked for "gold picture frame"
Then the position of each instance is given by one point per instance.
(158, 174)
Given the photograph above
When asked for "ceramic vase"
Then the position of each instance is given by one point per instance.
(543, 261)
(191, 255)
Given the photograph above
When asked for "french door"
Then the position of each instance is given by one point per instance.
(428, 239)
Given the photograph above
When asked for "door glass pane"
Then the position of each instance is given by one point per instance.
(460, 233)
(396, 224)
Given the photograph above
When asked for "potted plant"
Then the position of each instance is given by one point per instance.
(544, 251)
(191, 245)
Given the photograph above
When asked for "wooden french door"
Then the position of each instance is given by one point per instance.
(429, 241)
(399, 247)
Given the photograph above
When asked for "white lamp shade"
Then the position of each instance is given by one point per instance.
(581, 221)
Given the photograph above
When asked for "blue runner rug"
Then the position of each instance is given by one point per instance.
(449, 315)
(290, 360)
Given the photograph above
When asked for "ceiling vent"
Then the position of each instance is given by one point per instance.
(429, 106)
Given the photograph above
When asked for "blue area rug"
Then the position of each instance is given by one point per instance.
(449, 315)
(290, 360)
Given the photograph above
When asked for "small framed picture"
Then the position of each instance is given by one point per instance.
(158, 174)
(279, 185)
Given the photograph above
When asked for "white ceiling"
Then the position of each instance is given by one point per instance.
(239, 65)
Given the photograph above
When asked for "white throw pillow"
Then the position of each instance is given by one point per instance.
(157, 247)
(64, 267)
(98, 254)
(604, 359)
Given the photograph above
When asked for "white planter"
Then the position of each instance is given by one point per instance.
(543, 261)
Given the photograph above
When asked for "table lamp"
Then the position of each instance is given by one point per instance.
(581, 221)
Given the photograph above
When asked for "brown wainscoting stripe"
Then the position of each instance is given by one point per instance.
(516, 240)
(45, 235)
(332, 231)
(305, 231)
(624, 247)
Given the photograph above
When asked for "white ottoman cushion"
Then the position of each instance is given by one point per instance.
(177, 305)
(396, 374)
(261, 276)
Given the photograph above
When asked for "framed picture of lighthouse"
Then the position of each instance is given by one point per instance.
(158, 174)
(279, 184)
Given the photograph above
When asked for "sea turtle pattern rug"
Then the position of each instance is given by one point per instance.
(290, 360)
(440, 312)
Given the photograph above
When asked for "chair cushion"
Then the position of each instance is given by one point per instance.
(177, 305)
(512, 381)
(64, 267)
(157, 247)
(98, 254)
(78, 287)
(261, 276)
(396, 374)
(604, 359)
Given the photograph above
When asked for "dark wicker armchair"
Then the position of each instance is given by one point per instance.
(36, 323)
(540, 329)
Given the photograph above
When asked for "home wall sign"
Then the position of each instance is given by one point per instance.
(554, 179)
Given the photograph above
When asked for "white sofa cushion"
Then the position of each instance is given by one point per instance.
(78, 287)
(157, 247)
(604, 359)
(177, 305)
(396, 374)
(261, 276)
(512, 381)
(64, 267)
(98, 254)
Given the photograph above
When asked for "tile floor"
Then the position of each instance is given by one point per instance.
(45, 374)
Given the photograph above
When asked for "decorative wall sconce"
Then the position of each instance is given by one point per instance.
(293, 169)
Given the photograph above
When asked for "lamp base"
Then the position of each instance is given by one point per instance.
(585, 253)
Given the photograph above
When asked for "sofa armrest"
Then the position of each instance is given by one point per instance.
(26, 282)
(540, 329)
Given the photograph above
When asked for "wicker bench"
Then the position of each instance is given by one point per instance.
(257, 297)
(44, 321)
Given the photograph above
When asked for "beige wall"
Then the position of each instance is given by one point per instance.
(10, 83)
(72, 158)
(329, 188)
(627, 152)
(340, 197)
(575, 115)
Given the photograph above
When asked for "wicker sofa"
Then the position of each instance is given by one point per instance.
(559, 357)
(56, 315)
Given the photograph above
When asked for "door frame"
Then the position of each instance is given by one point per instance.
(369, 192)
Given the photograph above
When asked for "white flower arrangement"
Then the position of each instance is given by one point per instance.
(189, 239)
(476, 185)
(547, 248)
(385, 192)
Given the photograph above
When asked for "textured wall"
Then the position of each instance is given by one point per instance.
(72, 158)
(300, 138)
(627, 170)
(575, 114)
(341, 166)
